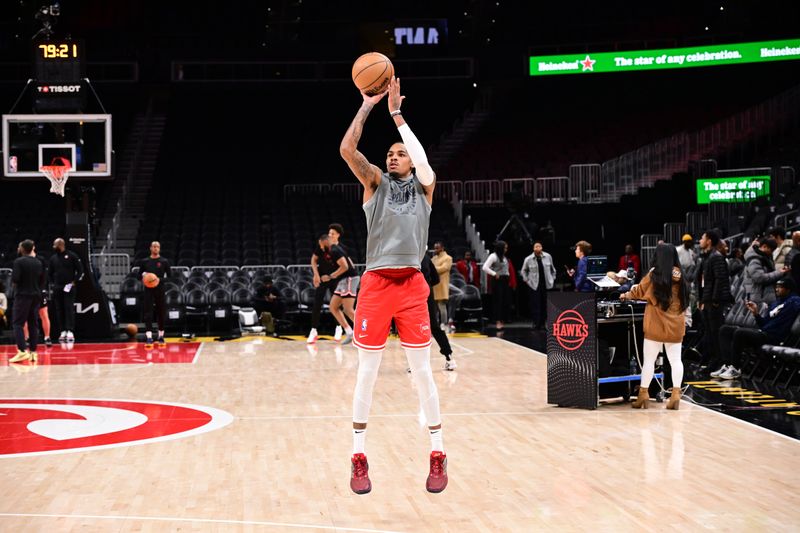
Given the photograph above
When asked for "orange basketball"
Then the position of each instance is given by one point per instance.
(131, 330)
(372, 72)
(150, 280)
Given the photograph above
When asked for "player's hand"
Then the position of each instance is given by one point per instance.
(395, 100)
(326, 278)
(752, 307)
(623, 297)
(372, 100)
(317, 281)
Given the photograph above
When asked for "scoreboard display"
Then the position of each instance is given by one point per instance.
(58, 71)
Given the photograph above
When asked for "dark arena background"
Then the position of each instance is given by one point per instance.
(214, 128)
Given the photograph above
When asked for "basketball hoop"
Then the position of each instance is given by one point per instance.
(57, 174)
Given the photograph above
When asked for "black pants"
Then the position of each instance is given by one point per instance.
(275, 308)
(713, 319)
(65, 307)
(155, 297)
(501, 296)
(538, 304)
(319, 299)
(26, 309)
(436, 331)
(735, 341)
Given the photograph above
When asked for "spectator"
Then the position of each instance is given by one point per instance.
(268, 299)
(497, 268)
(773, 327)
(65, 271)
(793, 252)
(631, 259)
(469, 269)
(759, 272)
(539, 273)
(784, 247)
(621, 277)
(441, 292)
(736, 262)
(582, 283)
(688, 257)
(715, 293)
(432, 278)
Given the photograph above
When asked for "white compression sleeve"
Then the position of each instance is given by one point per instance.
(419, 360)
(417, 153)
(368, 365)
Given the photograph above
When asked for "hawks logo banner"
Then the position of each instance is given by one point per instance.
(570, 330)
(572, 349)
(48, 426)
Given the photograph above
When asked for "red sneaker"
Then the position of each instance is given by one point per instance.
(437, 478)
(359, 479)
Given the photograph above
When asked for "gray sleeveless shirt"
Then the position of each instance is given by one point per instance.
(398, 216)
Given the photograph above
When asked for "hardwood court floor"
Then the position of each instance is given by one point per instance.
(282, 464)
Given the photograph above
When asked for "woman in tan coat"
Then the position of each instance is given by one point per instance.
(667, 296)
(441, 292)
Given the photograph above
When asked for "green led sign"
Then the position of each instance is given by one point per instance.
(732, 189)
(698, 56)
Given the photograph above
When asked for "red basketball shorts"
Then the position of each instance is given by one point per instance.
(401, 294)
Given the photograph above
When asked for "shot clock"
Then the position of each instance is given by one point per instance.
(57, 72)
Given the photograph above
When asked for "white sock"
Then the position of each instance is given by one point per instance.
(359, 440)
(149, 334)
(437, 444)
(160, 333)
(348, 330)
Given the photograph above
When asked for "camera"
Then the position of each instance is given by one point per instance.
(47, 16)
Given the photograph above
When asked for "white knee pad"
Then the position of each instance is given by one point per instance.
(368, 364)
(419, 360)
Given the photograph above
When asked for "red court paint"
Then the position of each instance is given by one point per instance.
(132, 353)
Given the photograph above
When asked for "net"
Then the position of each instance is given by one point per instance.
(57, 172)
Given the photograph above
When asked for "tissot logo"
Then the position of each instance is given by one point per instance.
(570, 330)
(58, 88)
(49, 426)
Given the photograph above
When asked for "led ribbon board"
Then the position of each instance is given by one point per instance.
(698, 56)
(732, 189)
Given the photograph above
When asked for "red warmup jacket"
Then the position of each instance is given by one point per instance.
(637, 264)
(461, 266)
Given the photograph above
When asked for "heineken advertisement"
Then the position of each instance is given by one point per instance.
(732, 189)
(698, 56)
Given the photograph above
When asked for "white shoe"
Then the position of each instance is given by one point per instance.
(62, 337)
(731, 373)
(70, 337)
(312, 336)
(450, 365)
(718, 373)
(337, 336)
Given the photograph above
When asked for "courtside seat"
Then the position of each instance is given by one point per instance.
(242, 297)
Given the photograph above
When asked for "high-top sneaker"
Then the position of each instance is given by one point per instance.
(437, 478)
(359, 478)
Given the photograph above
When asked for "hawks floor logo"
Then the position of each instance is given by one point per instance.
(570, 330)
(49, 426)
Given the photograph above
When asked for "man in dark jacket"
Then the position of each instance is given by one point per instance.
(774, 325)
(715, 294)
(28, 278)
(65, 271)
(432, 278)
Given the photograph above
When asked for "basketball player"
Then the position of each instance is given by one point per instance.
(321, 264)
(28, 278)
(397, 204)
(43, 313)
(66, 270)
(346, 278)
(155, 296)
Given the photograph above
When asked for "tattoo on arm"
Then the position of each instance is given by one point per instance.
(359, 164)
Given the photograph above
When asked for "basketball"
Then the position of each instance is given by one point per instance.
(150, 280)
(372, 73)
(131, 330)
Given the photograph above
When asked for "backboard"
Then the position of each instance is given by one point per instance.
(31, 141)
